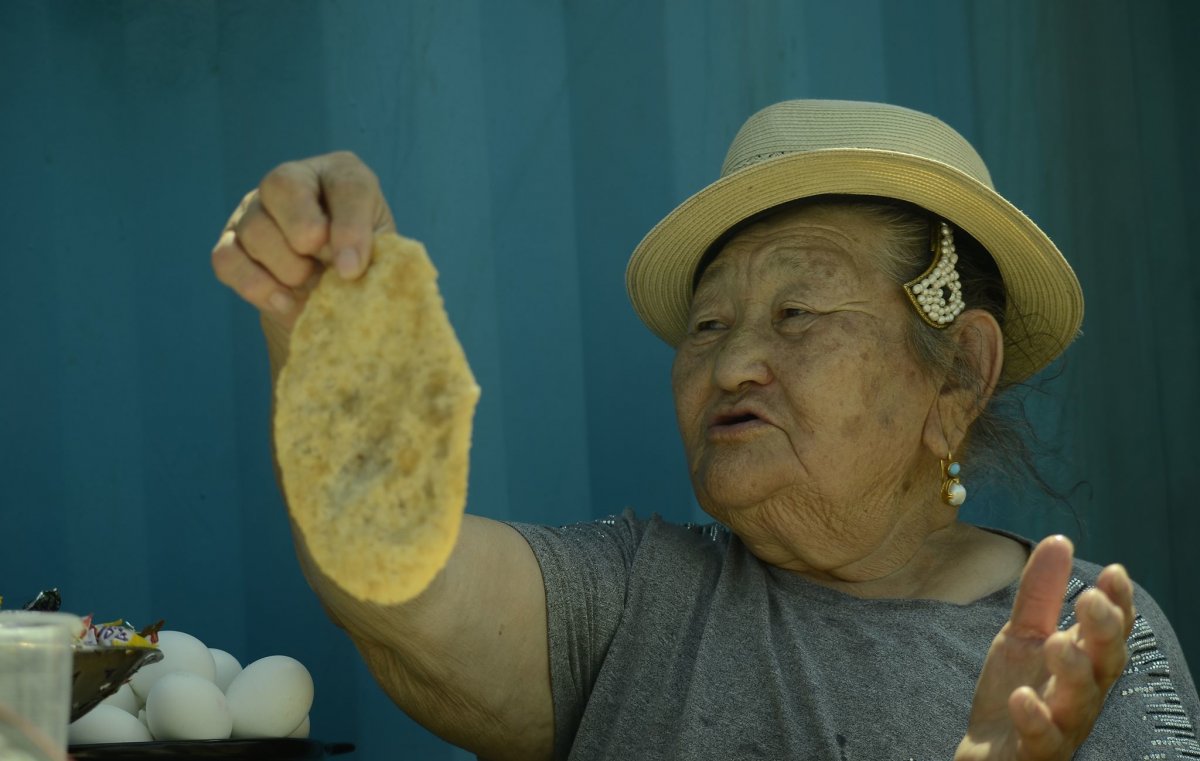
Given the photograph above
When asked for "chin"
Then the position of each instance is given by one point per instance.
(725, 491)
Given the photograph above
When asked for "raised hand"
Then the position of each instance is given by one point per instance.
(304, 215)
(1041, 689)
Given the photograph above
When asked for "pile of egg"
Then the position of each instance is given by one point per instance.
(198, 693)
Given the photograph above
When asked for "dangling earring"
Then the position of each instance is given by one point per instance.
(953, 492)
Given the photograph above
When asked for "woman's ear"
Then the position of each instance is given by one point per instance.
(962, 396)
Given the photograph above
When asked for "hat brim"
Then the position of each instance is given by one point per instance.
(1045, 303)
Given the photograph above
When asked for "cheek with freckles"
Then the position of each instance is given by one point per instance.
(689, 392)
(837, 373)
(838, 396)
(691, 387)
(850, 386)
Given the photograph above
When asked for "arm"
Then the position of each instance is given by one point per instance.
(468, 658)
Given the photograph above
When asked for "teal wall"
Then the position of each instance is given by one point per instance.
(530, 145)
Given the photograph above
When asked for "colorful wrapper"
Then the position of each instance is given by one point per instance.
(114, 634)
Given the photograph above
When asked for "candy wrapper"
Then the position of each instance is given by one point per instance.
(118, 634)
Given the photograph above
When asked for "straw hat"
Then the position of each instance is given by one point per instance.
(804, 148)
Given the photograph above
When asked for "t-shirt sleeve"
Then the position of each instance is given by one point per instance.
(1152, 710)
(585, 568)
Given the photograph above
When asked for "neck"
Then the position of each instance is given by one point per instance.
(923, 570)
(927, 554)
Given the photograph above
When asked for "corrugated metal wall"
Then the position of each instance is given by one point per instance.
(530, 145)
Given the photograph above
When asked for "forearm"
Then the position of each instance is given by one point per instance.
(468, 656)
(443, 660)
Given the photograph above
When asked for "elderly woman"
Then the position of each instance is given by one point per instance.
(845, 302)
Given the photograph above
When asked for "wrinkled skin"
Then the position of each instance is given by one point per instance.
(838, 480)
(814, 433)
(794, 322)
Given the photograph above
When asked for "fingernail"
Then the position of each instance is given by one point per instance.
(1065, 540)
(347, 262)
(281, 302)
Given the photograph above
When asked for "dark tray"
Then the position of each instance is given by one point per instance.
(283, 749)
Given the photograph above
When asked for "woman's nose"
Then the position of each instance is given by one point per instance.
(743, 358)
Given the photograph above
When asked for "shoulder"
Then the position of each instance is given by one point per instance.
(632, 538)
(1154, 704)
(1083, 577)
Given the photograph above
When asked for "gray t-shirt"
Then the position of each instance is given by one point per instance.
(675, 642)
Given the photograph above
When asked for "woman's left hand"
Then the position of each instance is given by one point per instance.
(1041, 689)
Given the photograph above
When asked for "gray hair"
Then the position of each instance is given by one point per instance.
(998, 442)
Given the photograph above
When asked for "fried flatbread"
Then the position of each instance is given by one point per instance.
(373, 416)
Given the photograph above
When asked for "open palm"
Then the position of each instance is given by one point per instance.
(1041, 689)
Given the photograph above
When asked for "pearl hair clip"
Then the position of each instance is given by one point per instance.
(937, 293)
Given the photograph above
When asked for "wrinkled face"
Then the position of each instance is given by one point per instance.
(800, 404)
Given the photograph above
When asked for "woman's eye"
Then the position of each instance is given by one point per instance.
(788, 312)
(707, 325)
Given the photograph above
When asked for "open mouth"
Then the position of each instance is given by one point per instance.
(735, 418)
(737, 424)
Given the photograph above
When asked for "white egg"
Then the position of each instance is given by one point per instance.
(270, 697)
(107, 724)
(181, 652)
(302, 730)
(123, 699)
(184, 706)
(227, 668)
(142, 718)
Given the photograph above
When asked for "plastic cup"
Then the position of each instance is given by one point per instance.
(35, 688)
